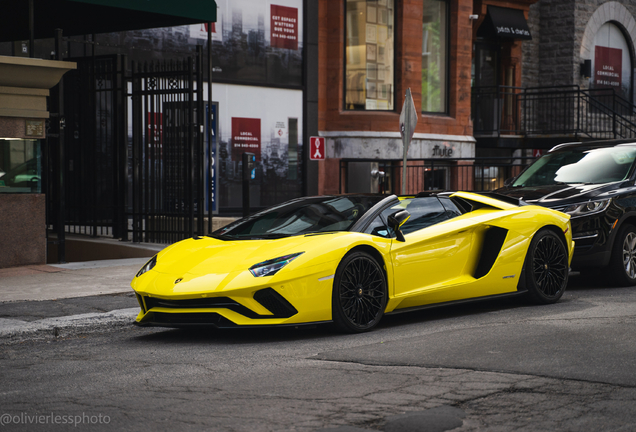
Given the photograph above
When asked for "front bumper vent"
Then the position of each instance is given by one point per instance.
(268, 297)
(275, 303)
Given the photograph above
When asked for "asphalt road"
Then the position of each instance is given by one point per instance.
(492, 366)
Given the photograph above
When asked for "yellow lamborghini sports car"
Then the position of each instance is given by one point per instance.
(350, 259)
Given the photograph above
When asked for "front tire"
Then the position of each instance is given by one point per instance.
(623, 262)
(546, 267)
(359, 293)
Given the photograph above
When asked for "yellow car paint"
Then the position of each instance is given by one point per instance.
(434, 265)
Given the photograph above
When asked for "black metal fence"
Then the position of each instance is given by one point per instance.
(167, 151)
(94, 139)
(133, 158)
(542, 111)
(468, 174)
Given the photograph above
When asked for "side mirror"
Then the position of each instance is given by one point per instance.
(396, 220)
(509, 181)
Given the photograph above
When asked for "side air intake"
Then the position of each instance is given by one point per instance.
(493, 241)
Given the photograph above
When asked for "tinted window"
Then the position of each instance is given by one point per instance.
(452, 209)
(424, 212)
(307, 215)
(378, 226)
(582, 165)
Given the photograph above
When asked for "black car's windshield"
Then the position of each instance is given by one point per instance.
(579, 165)
(301, 216)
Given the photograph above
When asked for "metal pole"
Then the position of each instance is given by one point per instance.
(191, 145)
(32, 29)
(61, 205)
(247, 159)
(200, 145)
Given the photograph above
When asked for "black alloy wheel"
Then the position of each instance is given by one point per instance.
(623, 262)
(546, 267)
(359, 293)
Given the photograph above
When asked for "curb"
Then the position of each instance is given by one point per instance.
(13, 331)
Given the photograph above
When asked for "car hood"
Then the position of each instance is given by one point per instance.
(557, 194)
(209, 255)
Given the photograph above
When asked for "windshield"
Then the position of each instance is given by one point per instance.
(582, 165)
(301, 216)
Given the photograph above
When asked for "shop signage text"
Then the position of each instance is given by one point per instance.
(284, 27)
(512, 31)
(608, 67)
(442, 151)
(246, 137)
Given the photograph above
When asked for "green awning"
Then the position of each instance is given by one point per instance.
(199, 10)
(80, 17)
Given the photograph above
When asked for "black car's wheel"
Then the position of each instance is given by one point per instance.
(359, 293)
(546, 267)
(623, 262)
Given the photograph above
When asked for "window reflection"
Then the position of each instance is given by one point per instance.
(369, 55)
(20, 166)
(434, 55)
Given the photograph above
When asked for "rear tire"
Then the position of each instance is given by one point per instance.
(359, 293)
(622, 264)
(546, 267)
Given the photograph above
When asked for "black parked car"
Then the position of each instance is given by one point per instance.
(594, 182)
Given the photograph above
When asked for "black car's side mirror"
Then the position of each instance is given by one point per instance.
(509, 181)
(396, 220)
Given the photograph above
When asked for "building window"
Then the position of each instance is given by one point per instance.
(20, 166)
(369, 71)
(435, 56)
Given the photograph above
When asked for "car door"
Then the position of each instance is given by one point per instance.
(436, 252)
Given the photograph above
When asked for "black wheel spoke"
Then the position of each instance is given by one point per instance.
(550, 266)
(362, 292)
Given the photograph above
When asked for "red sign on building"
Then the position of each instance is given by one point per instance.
(608, 67)
(284, 27)
(317, 148)
(246, 137)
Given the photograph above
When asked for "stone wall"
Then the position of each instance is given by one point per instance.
(22, 230)
(530, 49)
(558, 28)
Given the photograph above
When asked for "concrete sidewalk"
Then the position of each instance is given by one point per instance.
(49, 301)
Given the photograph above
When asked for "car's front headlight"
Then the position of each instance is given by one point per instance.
(587, 208)
(148, 266)
(271, 267)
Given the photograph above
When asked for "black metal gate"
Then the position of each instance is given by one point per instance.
(95, 146)
(167, 151)
(131, 159)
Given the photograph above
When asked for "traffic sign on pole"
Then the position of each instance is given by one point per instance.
(408, 120)
(317, 148)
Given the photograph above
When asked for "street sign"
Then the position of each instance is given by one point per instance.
(408, 120)
(317, 148)
(537, 152)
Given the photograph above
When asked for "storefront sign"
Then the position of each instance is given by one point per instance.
(246, 137)
(279, 130)
(34, 128)
(284, 27)
(608, 67)
(443, 151)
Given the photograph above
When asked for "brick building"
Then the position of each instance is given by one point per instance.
(372, 51)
